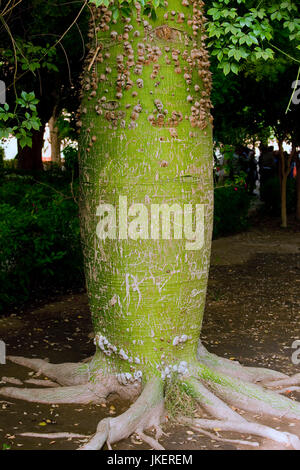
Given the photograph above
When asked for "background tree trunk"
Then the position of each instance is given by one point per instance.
(30, 158)
(55, 141)
(285, 171)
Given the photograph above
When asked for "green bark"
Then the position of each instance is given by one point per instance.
(146, 134)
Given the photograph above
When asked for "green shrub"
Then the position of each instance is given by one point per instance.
(71, 160)
(39, 239)
(232, 205)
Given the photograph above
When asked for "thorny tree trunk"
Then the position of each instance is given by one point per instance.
(30, 158)
(55, 140)
(146, 134)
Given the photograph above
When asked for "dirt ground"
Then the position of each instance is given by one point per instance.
(252, 315)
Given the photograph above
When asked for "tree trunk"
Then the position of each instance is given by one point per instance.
(30, 158)
(285, 168)
(146, 136)
(55, 141)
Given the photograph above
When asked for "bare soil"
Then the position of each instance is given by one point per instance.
(252, 315)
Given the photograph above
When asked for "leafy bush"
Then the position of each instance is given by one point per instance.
(39, 239)
(71, 160)
(232, 205)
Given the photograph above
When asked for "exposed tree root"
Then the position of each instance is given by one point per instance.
(286, 382)
(213, 405)
(145, 413)
(235, 369)
(42, 383)
(83, 394)
(78, 394)
(250, 397)
(230, 420)
(11, 380)
(153, 443)
(218, 385)
(223, 439)
(245, 427)
(64, 374)
(54, 435)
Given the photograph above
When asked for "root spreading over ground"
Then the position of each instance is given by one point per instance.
(218, 386)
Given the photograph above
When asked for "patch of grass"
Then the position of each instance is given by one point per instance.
(178, 401)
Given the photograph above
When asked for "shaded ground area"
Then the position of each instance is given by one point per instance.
(254, 296)
(252, 315)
